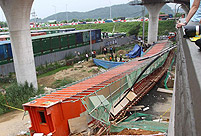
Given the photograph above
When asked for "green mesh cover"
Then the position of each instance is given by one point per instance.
(113, 92)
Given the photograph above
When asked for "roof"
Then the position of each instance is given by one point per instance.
(46, 30)
(60, 34)
(4, 42)
(4, 36)
(52, 35)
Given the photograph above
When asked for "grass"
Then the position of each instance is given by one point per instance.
(92, 70)
(83, 70)
(164, 27)
(54, 71)
(60, 83)
(16, 95)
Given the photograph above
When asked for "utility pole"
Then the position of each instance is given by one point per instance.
(110, 10)
(55, 9)
(35, 17)
(90, 41)
(143, 14)
(66, 13)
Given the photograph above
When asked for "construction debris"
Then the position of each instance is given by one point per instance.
(78, 125)
(137, 108)
(138, 132)
(165, 91)
(145, 109)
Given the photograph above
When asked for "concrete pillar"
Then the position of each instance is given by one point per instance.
(17, 13)
(154, 10)
(185, 8)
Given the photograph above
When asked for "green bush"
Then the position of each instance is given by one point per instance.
(16, 95)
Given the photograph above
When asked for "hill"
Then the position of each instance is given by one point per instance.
(122, 10)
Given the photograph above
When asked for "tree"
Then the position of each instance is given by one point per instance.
(115, 18)
(178, 14)
(162, 13)
(147, 15)
(89, 20)
(64, 21)
(3, 24)
(99, 19)
(74, 20)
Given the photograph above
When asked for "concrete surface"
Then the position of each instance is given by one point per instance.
(186, 113)
(17, 14)
(154, 10)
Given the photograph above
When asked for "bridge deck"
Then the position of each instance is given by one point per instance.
(85, 87)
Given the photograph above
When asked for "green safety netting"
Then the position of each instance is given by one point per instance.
(168, 73)
(145, 124)
(100, 104)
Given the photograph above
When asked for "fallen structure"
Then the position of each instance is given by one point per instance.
(104, 99)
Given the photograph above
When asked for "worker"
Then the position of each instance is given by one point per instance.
(111, 50)
(112, 55)
(105, 50)
(87, 57)
(120, 57)
(115, 57)
(110, 58)
(92, 54)
(194, 15)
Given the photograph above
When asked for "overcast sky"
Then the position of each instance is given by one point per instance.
(44, 8)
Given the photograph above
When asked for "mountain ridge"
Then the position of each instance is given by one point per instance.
(121, 10)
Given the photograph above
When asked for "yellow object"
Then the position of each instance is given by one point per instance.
(165, 113)
(193, 39)
(12, 107)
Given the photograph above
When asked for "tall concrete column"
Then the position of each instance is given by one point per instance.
(185, 8)
(17, 13)
(154, 10)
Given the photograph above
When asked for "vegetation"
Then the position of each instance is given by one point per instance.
(134, 30)
(59, 83)
(3, 24)
(16, 95)
(47, 70)
(127, 27)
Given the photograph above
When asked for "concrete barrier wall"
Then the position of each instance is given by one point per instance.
(185, 114)
(56, 56)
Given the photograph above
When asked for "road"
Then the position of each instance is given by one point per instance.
(11, 124)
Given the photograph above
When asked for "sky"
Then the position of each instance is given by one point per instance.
(44, 8)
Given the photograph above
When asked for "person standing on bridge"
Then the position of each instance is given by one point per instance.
(194, 15)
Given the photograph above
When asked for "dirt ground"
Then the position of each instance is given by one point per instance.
(159, 104)
(77, 72)
(11, 124)
(137, 132)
